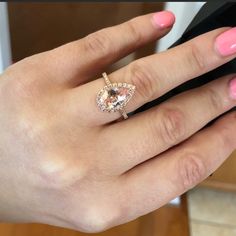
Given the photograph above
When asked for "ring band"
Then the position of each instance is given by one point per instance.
(114, 96)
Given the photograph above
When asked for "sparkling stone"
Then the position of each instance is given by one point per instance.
(114, 98)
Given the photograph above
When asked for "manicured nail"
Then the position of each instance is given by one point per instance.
(226, 42)
(163, 19)
(232, 88)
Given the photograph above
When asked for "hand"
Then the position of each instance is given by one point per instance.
(66, 163)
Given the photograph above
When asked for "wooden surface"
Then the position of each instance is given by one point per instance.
(167, 221)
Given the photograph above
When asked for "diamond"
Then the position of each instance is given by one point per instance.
(115, 97)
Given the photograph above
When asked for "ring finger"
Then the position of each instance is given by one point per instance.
(148, 134)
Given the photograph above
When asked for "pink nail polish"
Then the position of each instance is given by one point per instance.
(226, 42)
(232, 88)
(163, 19)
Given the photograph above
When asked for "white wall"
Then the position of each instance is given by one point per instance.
(184, 12)
(5, 51)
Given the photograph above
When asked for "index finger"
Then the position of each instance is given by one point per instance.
(82, 59)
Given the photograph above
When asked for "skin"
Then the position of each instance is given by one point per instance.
(64, 162)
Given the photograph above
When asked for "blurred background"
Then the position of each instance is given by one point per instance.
(30, 28)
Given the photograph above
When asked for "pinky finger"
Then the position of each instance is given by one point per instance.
(155, 182)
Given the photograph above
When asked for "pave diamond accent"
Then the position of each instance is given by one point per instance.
(114, 97)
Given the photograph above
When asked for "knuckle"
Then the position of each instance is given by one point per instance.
(59, 172)
(141, 77)
(231, 142)
(97, 219)
(195, 58)
(99, 43)
(215, 100)
(136, 34)
(191, 170)
(172, 126)
(226, 141)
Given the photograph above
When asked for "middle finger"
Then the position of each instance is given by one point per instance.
(155, 75)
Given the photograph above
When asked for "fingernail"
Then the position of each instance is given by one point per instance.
(163, 19)
(232, 88)
(226, 42)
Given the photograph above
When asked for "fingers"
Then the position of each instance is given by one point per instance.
(155, 75)
(82, 59)
(156, 182)
(150, 133)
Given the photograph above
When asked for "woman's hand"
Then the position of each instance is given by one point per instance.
(64, 162)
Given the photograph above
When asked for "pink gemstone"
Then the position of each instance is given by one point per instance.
(113, 98)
